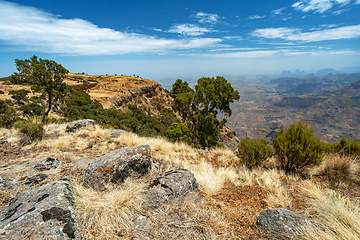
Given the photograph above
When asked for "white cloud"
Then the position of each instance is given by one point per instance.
(252, 17)
(357, 2)
(292, 34)
(189, 29)
(281, 53)
(207, 17)
(320, 6)
(30, 29)
(278, 11)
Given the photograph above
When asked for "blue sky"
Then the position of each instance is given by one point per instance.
(169, 39)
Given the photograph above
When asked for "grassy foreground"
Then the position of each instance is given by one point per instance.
(232, 195)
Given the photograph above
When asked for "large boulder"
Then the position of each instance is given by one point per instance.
(282, 222)
(44, 212)
(76, 125)
(116, 166)
(177, 185)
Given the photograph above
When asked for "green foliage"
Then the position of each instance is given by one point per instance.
(7, 115)
(253, 152)
(19, 96)
(2, 92)
(32, 131)
(345, 147)
(78, 105)
(45, 76)
(183, 133)
(297, 147)
(201, 107)
(32, 109)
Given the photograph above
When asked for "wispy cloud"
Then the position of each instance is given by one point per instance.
(295, 34)
(189, 29)
(207, 17)
(252, 17)
(278, 11)
(280, 53)
(320, 6)
(30, 29)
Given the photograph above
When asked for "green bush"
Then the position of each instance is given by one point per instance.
(253, 152)
(297, 147)
(345, 147)
(182, 133)
(32, 131)
(8, 115)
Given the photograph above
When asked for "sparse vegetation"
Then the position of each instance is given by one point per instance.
(345, 147)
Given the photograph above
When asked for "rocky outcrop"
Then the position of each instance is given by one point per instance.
(41, 213)
(76, 125)
(282, 222)
(47, 164)
(177, 185)
(148, 91)
(116, 166)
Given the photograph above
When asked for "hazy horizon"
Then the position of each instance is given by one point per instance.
(165, 40)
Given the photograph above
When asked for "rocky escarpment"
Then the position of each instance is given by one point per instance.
(148, 91)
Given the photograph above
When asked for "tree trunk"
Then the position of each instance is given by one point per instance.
(49, 107)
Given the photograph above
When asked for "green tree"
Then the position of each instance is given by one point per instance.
(183, 133)
(253, 152)
(297, 147)
(19, 96)
(183, 98)
(202, 106)
(45, 76)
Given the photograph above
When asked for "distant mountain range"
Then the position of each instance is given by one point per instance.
(331, 103)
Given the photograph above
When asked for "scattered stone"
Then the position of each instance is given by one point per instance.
(116, 132)
(47, 164)
(44, 212)
(282, 222)
(76, 125)
(176, 185)
(116, 166)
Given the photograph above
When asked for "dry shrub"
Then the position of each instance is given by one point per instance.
(187, 221)
(102, 215)
(338, 167)
(338, 215)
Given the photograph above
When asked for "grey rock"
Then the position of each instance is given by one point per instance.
(116, 166)
(47, 164)
(4, 183)
(35, 179)
(116, 132)
(76, 125)
(282, 222)
(82, 163)
(177, 185)
(44, 212)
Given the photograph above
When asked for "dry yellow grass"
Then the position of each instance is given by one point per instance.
(339, 167)
(104, 215)
(101, 215)
(338, 215)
